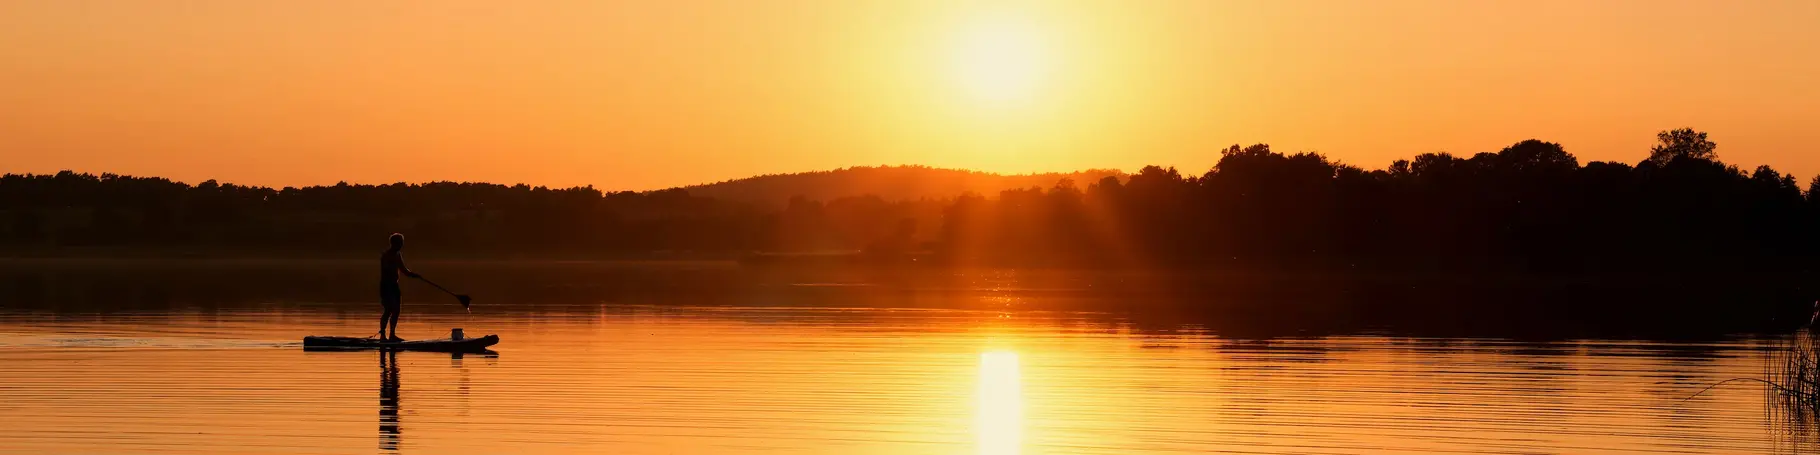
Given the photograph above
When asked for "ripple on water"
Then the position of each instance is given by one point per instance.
(845, 381)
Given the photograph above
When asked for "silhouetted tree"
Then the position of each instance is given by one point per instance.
(1537, 156)
(1813, 190)
(1683, 142)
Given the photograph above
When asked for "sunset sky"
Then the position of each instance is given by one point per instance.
(651, 94)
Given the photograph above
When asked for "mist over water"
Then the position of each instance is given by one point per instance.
(712, 359)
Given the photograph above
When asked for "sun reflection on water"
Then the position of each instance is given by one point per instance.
(999, 424)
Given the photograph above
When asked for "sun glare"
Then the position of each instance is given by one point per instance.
(999, 424)
(1001, 60)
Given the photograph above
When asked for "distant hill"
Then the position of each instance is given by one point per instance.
(891, 183)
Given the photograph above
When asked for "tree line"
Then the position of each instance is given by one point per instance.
(1531, 208)
(70, 210)
(1523, 238)
(890, 183)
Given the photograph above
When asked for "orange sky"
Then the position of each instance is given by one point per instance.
(642, 95)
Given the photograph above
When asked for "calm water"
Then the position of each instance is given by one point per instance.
(226, 375)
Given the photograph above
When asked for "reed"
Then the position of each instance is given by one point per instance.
(1794, 381)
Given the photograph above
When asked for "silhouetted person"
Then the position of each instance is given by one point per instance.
(388, 400)
(391, 264)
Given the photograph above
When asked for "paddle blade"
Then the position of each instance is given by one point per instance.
(466, 302)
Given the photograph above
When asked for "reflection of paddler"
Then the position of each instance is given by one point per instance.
(462, 385)
(388, 400)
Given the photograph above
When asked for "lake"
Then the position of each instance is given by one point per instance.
(130, 359)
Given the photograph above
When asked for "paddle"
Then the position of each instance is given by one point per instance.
(465, 300)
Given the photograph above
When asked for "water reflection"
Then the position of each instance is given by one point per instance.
(388, 400)
(389, 409)
(999, 425)
(462, 384)
(728, 381)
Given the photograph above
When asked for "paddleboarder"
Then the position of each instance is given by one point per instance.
(391, 265)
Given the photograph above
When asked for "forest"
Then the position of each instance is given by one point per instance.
(1531, 207)
(1678, 241)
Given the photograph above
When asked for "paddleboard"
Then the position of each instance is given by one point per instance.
(441, 345)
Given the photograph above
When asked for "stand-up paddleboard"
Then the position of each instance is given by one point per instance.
(442, 345)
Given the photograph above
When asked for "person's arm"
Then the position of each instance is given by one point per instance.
(406, 270)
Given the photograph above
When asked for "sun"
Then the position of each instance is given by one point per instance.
(1001, 59)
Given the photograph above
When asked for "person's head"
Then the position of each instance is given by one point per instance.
(397, 241)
